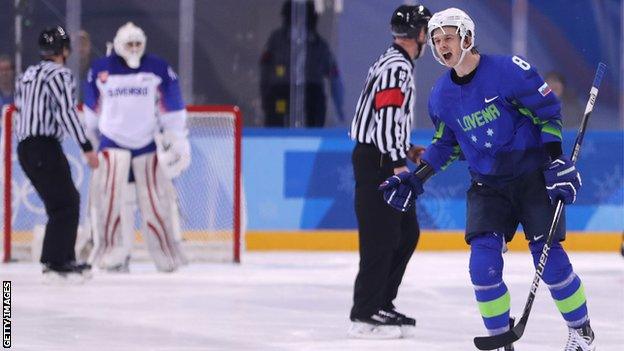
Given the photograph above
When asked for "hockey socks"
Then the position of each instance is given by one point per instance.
(486, 273)
(564, 285)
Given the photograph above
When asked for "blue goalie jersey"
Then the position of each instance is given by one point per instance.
(499, 120)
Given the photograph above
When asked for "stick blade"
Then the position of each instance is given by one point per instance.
(501, 340)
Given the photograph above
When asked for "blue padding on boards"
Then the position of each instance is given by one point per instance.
(325, 180)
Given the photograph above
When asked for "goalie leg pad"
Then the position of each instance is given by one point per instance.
(106, 196)
(117, 259)
(157, 202)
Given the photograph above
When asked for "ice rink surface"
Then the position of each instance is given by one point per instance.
(291, 301)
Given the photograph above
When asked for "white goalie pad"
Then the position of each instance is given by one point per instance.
(111, 224)
(173, 152)
(158, 204)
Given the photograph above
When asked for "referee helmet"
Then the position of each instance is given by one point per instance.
(408, 20)
(53, 40)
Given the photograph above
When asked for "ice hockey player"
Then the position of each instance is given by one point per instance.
(500, 114)
(133, 100)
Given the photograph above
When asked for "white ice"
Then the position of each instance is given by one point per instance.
(291, 301)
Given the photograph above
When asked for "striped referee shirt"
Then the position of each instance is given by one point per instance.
(383, 115)
(46, 106)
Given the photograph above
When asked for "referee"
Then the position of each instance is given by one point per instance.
(381, 127)
(46, 106)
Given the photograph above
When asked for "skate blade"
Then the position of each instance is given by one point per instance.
(368, 331)
(53, 278)
(408, 331)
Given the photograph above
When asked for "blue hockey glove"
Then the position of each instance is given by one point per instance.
(563, 181)
(401, 190)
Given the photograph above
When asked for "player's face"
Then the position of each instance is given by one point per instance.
(134, 46)
(446, 42)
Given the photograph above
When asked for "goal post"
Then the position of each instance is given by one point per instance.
(6, 154)
(209, 192)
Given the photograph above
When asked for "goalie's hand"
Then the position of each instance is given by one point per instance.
(401, 190)
(563, 180)
(173, 152)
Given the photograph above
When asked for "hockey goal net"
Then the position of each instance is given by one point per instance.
(209, 191)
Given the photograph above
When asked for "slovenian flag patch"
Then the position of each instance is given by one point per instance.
(544, 89)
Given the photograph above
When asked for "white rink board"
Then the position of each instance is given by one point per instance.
(290, 301)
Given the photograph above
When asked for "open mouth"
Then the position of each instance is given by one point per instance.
(447, 56)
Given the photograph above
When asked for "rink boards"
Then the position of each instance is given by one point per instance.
(430, 240)
(303, 180)
(298, 194)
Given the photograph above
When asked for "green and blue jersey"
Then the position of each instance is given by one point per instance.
(499, 119)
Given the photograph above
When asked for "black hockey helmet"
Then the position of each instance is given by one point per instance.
(408, 20)
(53, 40)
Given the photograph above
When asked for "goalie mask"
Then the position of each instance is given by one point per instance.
(129, 43)
(455, 18)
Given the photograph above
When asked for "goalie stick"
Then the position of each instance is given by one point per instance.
(515, 333)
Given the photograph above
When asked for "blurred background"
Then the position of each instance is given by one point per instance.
(217, 46)
(238, 52)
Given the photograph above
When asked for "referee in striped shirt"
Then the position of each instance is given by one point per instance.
(46, 110)
(381, 127)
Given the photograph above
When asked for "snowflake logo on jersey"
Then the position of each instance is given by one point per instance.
(544, 89)
(103, 76)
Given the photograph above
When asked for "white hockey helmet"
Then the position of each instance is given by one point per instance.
(129, 43)
(456, 18)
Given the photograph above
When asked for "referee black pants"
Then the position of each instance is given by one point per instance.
(387, 237)
(45, 164)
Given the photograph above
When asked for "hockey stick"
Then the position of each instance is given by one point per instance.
(512, 335)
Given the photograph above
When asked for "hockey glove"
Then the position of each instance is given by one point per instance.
(401, 190)
(173, 152)
(563, 181)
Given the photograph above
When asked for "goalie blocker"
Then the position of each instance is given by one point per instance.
(112, 210)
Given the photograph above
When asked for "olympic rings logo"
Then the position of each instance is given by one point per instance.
(25, 198)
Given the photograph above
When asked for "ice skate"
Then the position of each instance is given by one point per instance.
(69, 273)
(377, 326)
(123, 267)
(580, 339)
(509, 347)
(408, 324)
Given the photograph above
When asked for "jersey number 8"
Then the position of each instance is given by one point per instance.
(521, 63)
